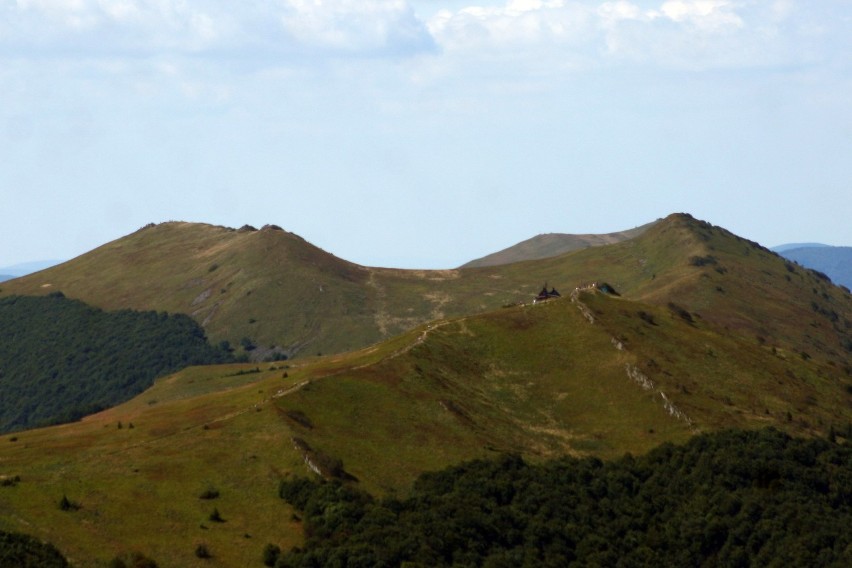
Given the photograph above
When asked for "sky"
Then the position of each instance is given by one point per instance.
(422, 133)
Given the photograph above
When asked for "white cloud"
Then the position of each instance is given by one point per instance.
(559, 33)
(517, 43)
(518, 22)
(355, 25)
(703, 14)
(300, 26)
(621, 10)
(576, 25)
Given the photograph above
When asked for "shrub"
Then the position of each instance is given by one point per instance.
(702, 260)
(271, 553)
(209, 493)
(820, 275)
(646, 317)
(66, 504)
(10, 481)
(201, 551)
(681, 312)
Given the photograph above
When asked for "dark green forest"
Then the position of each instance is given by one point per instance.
(734, 498)
(61, 359)
(24, 551)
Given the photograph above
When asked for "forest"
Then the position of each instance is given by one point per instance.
(61, 359)
(24, 551)
(732, 498)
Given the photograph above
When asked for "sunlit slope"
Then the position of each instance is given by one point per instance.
(267, 285)
(138, 471)
(276, 289)
(743, 288)
(599, 375)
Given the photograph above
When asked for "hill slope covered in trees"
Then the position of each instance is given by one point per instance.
(732, 498)
(61, 359)
(23, 551)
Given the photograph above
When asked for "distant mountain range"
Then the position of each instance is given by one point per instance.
(835, 262)
(790, 246)
(18, 270)
(554, 244)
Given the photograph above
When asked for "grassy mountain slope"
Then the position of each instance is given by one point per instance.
(277, 289)
(600, 375)
(710, 331)
(553, 244)
(267, 285)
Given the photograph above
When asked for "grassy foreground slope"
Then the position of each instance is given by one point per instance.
(276, 289)
(600, 375)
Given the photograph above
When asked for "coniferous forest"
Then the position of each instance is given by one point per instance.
(733, 498)
(61, 359)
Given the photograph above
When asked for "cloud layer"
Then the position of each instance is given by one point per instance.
(212, 26)
(670, 32)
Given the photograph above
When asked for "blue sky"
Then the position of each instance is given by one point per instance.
(422, 133)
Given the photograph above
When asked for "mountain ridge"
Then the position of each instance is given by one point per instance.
(276, 290)
(708, 331)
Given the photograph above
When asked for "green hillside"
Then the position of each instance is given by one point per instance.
(277, 290)
(600, 375)
(266, 285)
(696, 330)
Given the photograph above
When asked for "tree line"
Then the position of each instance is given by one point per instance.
(733, 498)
